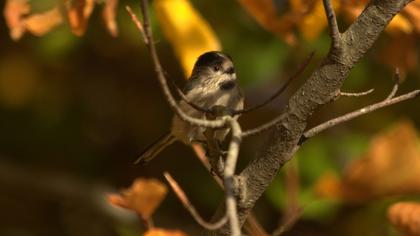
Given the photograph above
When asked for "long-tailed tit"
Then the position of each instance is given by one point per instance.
(212, 83)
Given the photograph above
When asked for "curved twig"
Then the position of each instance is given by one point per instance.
(191, 209)
(229, 172)
(333, 122)
(217, 123)
(298, 72)
(356, 94)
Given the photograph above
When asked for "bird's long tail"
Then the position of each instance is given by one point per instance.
(155, 148)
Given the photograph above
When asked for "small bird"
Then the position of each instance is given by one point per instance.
(212, 83)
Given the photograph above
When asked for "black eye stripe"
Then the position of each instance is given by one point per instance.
(230, 70)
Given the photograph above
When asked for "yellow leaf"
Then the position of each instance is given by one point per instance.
(187, 31)
(412, 12)
(143, 197)
(399, 24)
(315, 21)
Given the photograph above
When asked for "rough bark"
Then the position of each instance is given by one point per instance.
(322, 86)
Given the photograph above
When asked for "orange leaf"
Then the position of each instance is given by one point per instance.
(143, 197)
(405, 216)
(164, 232)
(40, 24)
(328, 186)
(412, 13)
(390, 167)
(400, 52)
(265, 13)
(78, 13)
(109, 15)
(14, 10)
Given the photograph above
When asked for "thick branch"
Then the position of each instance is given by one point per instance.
(320, 88)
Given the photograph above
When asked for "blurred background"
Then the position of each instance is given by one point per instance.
(79, 102)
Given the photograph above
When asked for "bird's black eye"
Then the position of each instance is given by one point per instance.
(217, 68)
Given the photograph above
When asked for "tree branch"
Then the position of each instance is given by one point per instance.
(218, 123)
(347, 117)
(298, 72)
(191, 209)
(332, 24)
(251, 226)
(357, 94)
(388, 101)
(319, 89)
(229, 173)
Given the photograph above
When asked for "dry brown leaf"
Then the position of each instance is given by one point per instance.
(401, 52)
(109, 14)
(14, 10)
(143, 197)
(405, 216)
(78, 13)
(390, 167)
(164, 232)
(265, 13)
(40, 24)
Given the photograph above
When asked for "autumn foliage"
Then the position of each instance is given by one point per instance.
(405, 216)
(390, 165)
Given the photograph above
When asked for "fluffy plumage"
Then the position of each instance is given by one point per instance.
(212, 82)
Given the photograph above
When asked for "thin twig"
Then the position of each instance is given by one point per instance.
(251, 226)
(137, 23)
(288, 223)
(229, 172)
(266, 126)
(356, 94)
(387, 102)
(332, 24)
(187, 204)
(201, 155)
(185, 99)
(397, 80)
(297, 73)
(218, 123)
